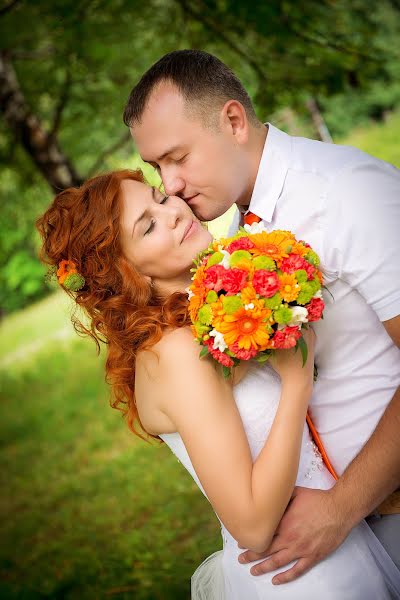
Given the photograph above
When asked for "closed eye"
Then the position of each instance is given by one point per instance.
(151, 227)
(153, 222)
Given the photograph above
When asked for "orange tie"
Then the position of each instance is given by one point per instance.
(248, 219)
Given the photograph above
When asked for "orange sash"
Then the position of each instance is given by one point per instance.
(320, 446)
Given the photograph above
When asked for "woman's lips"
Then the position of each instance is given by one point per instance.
(191, 229)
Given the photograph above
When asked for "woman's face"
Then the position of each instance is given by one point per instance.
(160, 235)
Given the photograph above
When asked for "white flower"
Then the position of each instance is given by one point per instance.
(225, 261)
(255, 227)
(219, 342)
(189, 293)
(299, 315)
(318, 294)
(249, 306)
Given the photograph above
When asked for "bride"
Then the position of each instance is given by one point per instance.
(243, 440)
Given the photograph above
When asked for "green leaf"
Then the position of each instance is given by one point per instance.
(203, 352)
(226, 371)
(303, 349)
(262, 358)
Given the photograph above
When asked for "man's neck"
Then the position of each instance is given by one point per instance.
(258, 139)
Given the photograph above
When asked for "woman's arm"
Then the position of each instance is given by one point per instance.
(249, 498)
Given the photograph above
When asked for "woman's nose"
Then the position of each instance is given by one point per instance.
(173, 216)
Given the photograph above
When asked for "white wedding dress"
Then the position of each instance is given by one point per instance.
(360, 569)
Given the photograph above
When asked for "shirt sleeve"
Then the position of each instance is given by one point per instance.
(363, 233)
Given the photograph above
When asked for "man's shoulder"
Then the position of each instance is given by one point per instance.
(330, 160)
(326, 159)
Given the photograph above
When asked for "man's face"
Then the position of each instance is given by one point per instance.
(204, 166)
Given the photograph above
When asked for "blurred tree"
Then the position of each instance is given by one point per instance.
(67, 67)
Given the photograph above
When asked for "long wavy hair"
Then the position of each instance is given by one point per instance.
(125, 312)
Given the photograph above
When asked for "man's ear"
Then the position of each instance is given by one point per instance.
(234, 120)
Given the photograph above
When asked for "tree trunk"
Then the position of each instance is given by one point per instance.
(42, 147)
(318, 121)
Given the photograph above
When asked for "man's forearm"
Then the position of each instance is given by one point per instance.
(375, 471)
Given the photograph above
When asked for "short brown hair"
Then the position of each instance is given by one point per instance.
(204, 81)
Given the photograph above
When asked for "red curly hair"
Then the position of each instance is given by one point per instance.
(125, 312)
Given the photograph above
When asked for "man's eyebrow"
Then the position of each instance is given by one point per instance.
(145, 213)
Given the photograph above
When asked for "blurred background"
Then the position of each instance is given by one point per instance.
(88, 510)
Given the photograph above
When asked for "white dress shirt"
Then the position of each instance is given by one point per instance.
(346, 205)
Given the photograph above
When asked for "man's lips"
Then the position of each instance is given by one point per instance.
(188, 199)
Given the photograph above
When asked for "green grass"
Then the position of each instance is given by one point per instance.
(88, 510)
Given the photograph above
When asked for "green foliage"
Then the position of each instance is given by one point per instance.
(77, 62)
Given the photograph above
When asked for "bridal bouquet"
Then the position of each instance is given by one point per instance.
(252, 294)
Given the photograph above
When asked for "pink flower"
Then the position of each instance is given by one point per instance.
(243, 243)
(214, 276)
(315, 308)
(233, 281)
(221, 357)
(286, 338)
(295, 262)
(266, 283)
(242, 353)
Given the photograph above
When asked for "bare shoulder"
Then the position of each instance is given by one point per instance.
(174, 345)
(177, 348)
(164, 374)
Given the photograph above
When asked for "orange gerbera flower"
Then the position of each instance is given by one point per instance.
(248, 294)
(249, 328)
(276, 244)
(299, 248)
(64, 269)
(195, 303)
(218, 313)
(288, 287)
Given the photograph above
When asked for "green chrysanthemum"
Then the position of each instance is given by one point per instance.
(200, 329)
(308, 290)
(238, 256)
(74, 282)
(301, 275)
(274, 302)
(231, 304)
(312, 258)
(211, 297)
(283, 314)
(205, 314)
(215, 259)
(264, 262)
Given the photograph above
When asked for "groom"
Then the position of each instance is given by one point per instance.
(193, 121)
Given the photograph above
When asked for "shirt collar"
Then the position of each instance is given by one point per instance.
(274, 164)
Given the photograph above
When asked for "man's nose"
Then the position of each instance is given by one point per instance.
(173, 184)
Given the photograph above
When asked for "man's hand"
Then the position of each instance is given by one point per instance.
(310, 529)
